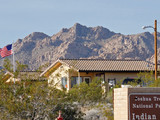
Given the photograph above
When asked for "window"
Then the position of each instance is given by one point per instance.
(87, 80)
(111, 82)
(100, 76)
(75, 80)
(64, 82)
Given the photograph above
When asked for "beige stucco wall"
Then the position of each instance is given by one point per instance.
(65, 71)
(121, 98)
(120, 75)
(108, 75)
(55, 78)
(92, 75)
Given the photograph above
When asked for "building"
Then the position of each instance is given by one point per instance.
(23, 76)
(65, 73)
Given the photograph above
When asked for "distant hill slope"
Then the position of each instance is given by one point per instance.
(83, 42)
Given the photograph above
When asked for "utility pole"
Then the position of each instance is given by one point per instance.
(155, 46)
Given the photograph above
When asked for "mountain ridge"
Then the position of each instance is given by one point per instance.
(80, 41)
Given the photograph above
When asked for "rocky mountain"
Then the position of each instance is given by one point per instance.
(80, 41)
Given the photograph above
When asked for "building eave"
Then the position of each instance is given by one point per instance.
(114, 71)
(54, 64)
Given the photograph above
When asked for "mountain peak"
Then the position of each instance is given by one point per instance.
(79, 30)
(36, 36)
(78, 26)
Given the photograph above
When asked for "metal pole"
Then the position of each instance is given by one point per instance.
(13, 61)
(155, 40)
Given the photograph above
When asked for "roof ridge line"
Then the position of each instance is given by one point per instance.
(104, 59)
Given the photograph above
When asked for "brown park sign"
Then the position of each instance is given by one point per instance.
(144, 106)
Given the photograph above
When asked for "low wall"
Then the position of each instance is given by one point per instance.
(129, 100)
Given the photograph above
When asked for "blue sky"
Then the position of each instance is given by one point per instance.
(19, 18)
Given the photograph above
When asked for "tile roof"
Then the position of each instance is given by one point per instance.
(30, 75)
(107, 65)
(99, 65)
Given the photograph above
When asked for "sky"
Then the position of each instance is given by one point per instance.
(19, 18)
